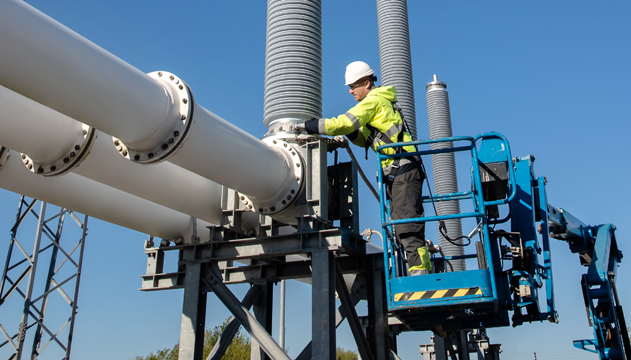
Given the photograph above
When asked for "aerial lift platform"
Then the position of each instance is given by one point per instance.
(446, 301)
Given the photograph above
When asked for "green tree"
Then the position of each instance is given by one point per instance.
(238, 349)
(343, 354)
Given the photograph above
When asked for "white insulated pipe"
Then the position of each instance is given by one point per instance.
(89, 197)
(58, 68)
(46, 136)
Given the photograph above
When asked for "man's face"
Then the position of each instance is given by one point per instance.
(359, 89)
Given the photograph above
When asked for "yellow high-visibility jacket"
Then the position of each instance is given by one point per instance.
(376, 110)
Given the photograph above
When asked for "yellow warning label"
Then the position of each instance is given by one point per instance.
(437, 294)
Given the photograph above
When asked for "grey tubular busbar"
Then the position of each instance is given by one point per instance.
(69, 74)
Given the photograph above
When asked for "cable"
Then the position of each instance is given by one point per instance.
(442, 228)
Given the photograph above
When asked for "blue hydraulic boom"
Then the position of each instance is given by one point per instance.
(512, 283)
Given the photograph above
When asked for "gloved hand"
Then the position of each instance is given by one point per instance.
(298, 128)
(342, 141)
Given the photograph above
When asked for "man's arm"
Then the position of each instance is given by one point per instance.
(344, 124)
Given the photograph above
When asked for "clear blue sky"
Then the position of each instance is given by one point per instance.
(551, 76)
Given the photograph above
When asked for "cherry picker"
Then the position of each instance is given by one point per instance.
(513, 282)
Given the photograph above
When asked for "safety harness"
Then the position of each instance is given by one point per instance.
(376, 135)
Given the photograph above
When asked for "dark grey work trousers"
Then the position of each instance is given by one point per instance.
(406, 202)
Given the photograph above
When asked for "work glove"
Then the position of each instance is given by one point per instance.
(298, 128)
(342, 141)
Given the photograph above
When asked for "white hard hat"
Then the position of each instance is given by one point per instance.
(357, 70)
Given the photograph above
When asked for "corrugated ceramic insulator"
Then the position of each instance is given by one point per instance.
(293, 60)
(444, 167)
(394, 53)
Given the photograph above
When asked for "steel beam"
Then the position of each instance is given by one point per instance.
(229, 331)
(323, 305)
(193, 314)
(351, 314)
(213, 281)
(262, 300)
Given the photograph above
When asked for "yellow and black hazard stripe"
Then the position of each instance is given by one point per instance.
(437, 294)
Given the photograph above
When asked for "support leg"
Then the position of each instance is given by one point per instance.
(262, 299)
(323, 305)
(378, 329)
(193, 315)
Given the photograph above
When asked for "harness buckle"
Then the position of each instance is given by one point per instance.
(394, 168)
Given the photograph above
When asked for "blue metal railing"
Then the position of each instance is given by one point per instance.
(475, 194)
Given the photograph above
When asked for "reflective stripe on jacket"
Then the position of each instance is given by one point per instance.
(376, 110)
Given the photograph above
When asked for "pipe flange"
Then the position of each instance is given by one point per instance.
(184, 104)
(292, 187)
(72, 158)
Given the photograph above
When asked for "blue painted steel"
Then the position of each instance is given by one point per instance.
(546, 269)
(599, 268)
(440, 299)
(485, 279)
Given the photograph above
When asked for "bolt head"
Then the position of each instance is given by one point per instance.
(77, 147)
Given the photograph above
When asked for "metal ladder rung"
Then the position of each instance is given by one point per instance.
(433, 218)
(465, 195)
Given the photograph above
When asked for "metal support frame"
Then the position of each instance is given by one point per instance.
(62, 278)
(323, 306)
(478, 344)
(193, 312)
(328, 252)
(230, 331)
(262, 300)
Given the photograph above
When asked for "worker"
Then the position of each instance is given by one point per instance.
(373, 122)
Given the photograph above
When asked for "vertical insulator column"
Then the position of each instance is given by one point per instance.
(293, 60)
(444, 167)
(395, 57)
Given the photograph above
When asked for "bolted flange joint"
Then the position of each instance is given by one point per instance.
(183, 103)
(289, 190)
(71, 158)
